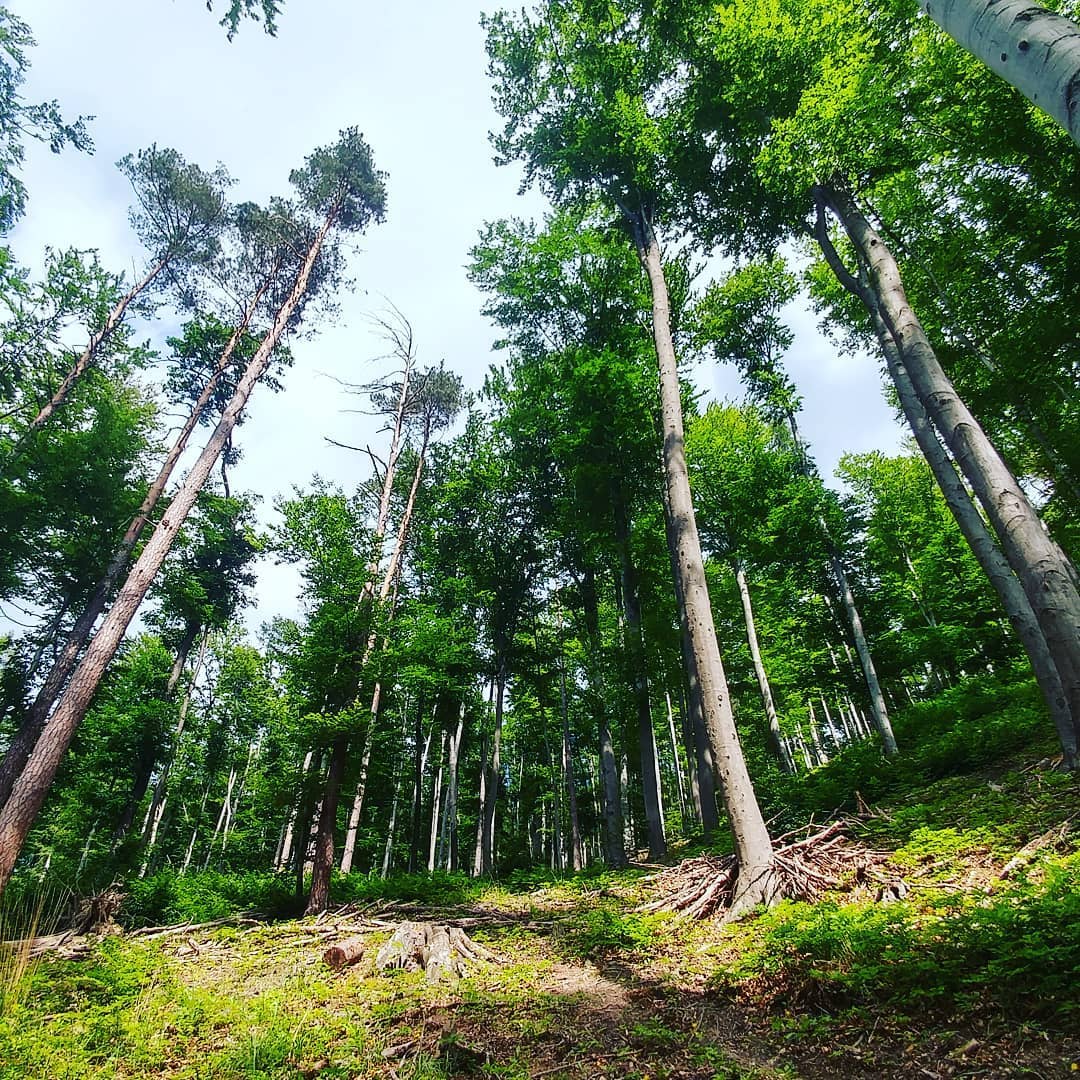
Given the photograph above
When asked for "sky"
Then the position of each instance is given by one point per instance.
(413, 78)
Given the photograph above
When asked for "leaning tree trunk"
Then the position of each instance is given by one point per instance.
(89, 354)
(30, 789)
(19, 751)
(1036, 50)
(389, 585)
(1048, 579)
(775, 735)
(970, 522)
(757, 879)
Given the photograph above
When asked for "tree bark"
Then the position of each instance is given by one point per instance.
(614, 851)
(576, 858)
(635, 648)
(29, 791)
(1047, 578)
(776, 737)
(16, 757)
(1036, 50)
(757, 880)
(89, 354)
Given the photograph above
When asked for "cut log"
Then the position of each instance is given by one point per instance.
(440, 951)
(347, 952)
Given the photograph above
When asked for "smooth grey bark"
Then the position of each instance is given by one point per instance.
(436, 796)
(577, 860)
(614, 851)
(757, 881)
(993, 563)
(775, 735)
(635, 647)
(700, 759)
(680, 786)
(1035, 50)
(1047, 578)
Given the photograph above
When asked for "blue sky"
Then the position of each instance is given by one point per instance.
(413, 78)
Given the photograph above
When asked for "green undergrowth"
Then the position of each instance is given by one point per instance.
(977, 724)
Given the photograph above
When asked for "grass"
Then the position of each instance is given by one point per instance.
(970, 974)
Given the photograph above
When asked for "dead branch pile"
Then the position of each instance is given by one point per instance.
(805, 868)
(438, 950)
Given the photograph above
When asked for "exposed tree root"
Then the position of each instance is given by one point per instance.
(438, 950)
(802, 869)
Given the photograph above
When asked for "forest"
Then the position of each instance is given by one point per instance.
(613, 735)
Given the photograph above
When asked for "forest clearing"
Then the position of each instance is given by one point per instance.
(575, 577)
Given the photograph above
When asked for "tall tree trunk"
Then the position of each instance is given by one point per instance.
(1047, 578)
(29, 791)
(17, 754)
(89, 354)
(679, 785)
(319, 897)
(757, 881)
(436, 797)
(989, 556)
(704, 767)
(615, 852)
(491, 792)
(420, 755)
(776, 738)
(1036, 50)
(576, 857)
(635, 647)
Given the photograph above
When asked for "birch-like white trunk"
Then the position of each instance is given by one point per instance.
(1036, 50)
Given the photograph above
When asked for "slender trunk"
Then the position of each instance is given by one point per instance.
(639, 675)
(89, 354)
(421, 746)
(576, 858)
(679, 785)
(221, 817)
(775, 736)
(1036, 50)
(450, 816)
(1047, 578)
(319, 897)
(615, 852)
(29, 791)
(690, 750)
(757, 881)
(866, 660)
(19, 752)
(195, 829)
(487, 850)
(436, 797)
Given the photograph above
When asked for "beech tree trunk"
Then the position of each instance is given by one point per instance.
(614, 851)
(491, 788)
(29, 791)
(1009, 591)
(757, 880)
(577, 860)
(1047, 578)
(1036, 50)
(654, 820)
(775, 735)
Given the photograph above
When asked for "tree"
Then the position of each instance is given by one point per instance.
(19, 120)
(583, 102)
(340, 185)
(1034, 49)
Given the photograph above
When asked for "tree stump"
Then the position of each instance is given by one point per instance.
(439, 951)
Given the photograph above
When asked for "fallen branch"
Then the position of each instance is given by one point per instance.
(805, 868)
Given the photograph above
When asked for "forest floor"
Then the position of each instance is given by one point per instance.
(974, 973)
